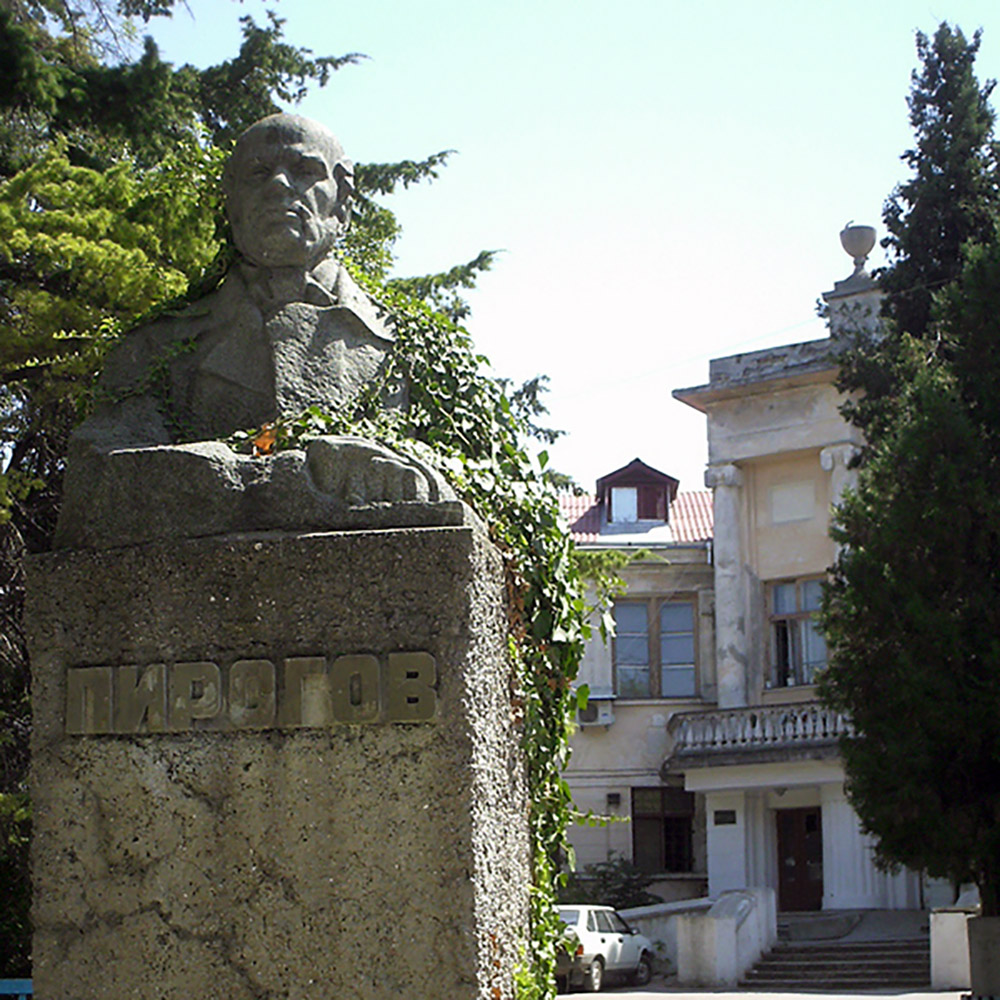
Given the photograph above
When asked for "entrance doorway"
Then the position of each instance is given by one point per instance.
(800, 859)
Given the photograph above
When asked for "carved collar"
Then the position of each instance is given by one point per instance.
(270, 288)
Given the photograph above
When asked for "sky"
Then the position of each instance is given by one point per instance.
(666, 179)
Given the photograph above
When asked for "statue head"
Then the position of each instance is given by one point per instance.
(287, 187)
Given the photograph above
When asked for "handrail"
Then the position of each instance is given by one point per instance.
(759, 726)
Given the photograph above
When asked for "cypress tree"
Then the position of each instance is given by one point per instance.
(912, 613)
(951, 197)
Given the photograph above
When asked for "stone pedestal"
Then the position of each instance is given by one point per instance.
(276, 766)
(984, 956)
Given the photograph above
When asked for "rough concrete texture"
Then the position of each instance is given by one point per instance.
(364, 861)
(128, 496)
(772, 362)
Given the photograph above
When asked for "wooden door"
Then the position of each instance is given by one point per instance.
(800, 859)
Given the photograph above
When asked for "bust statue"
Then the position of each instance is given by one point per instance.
(286, 329)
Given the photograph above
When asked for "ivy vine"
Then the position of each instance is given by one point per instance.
(462, 421)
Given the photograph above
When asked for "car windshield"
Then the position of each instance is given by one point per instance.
(569, 917)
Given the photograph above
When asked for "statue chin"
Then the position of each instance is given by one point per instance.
(284, 245)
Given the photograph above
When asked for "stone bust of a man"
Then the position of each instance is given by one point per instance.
(287, 328)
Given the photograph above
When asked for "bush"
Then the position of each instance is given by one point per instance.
(616, 883)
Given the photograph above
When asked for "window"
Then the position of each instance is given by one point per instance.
(638, 503)
(654, 654)
(662, 820)
(624, 504)
(798, 649)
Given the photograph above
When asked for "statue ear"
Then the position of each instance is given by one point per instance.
(344, 176)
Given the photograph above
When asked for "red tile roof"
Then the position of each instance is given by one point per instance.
(690, 517)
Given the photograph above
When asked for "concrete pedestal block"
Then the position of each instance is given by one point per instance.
(276, 766)
(949, 949)
(984, 956)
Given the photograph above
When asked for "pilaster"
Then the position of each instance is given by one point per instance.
(730, 597)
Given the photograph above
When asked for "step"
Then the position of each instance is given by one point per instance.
(880, 968)
(882, 975)
(847, 954)
(856, 966)
(915, 942)
(838, 985)
(842, 982)
(805, 971)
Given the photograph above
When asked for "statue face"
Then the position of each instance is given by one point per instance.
(283, 194)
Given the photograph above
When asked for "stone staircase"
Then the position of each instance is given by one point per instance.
(882, 965)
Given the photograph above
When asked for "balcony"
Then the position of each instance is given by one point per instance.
(756, 735)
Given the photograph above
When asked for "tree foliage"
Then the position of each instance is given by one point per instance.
(951, 197)
(108, 212)
(912, 613)
(913, 610)
(54, 84)
(950, 200)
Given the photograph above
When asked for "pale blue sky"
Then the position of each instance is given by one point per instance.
(667, 179)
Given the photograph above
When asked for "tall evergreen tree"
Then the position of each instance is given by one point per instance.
(950, 201)
(912, 613)
(951, 197)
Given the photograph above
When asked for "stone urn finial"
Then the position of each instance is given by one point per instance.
(858, 242)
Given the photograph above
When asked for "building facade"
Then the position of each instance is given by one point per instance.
(661, 662)
(745, 751)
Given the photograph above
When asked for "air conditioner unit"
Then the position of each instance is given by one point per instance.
(597, 712)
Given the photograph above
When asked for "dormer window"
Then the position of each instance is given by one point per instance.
(636, 493)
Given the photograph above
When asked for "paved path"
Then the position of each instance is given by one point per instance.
(658, 989)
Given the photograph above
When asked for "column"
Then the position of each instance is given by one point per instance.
(835, 459)
(759, 845)
(730, 603)
(850, 878)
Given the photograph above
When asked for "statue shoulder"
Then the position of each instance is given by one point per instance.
(368, 309)
(135, 357)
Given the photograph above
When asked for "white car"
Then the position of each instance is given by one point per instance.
(600, 943)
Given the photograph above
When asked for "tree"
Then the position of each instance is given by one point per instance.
(912, 612)
(951, 198)
(104, 218)
(108, 212)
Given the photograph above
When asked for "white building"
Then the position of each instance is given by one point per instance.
(734, 742)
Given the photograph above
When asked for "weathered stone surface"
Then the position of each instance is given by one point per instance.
(372, 861)
(127, 496)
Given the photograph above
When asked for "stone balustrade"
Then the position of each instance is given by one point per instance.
(759, 727)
